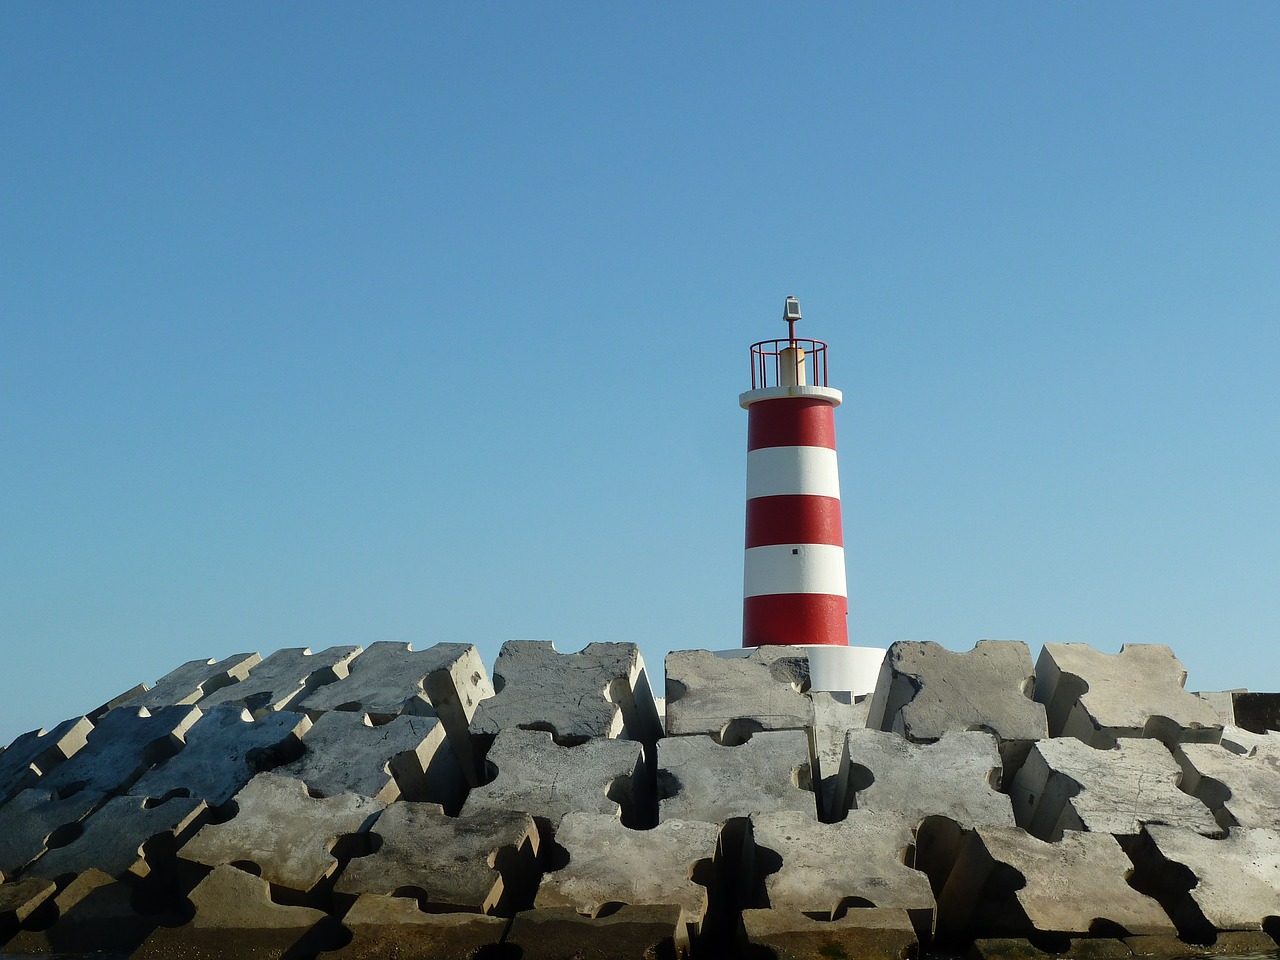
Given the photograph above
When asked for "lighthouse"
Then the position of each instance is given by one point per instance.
(794, 588)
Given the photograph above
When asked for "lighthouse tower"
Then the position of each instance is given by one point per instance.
(794, 590)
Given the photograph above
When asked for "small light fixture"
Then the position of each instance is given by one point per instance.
(791, 312)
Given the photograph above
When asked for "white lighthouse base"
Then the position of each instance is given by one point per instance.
(850, 670)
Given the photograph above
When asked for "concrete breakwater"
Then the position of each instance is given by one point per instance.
(388, 801)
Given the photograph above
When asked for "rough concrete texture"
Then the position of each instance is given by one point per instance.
(94, 915)
(1005, 882)
(234, 916)
(1240, 740)
(1080, 948)
(1138, 692)
(1240, 790)
(607, 863)
(286, 833)
(820, 868)
(1068, 785)
(192, 681)
(868, 933)
(383, 927)
(954, 777)
(477, 863)
(834, 715)
(1235, 880)
(283, 677)
(698, 779)
(1236, 943)
(600, 691)
(21, 898)
(535, 775)
(925, 691)
(729, 697)
(224, 749)
(124, 744)
(390, 678)
(32, 818)
(409, 758)
(36, 753)
(113, 837)
(624, 933)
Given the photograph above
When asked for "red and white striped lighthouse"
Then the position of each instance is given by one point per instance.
(794, 588)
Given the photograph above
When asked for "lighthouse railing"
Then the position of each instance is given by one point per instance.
(768, 356)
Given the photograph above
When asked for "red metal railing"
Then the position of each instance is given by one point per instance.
(766, 358)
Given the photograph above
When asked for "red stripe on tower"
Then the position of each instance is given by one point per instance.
(793, 574)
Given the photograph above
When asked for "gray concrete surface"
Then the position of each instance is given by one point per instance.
(286, 833)
(478, 863)
(192, 681)
(408, 758)
(1005, 882)
(607, 863)
(1138, 692)
(925, 691)
(113, 837)
(21, 898)
(535, 775)
(383, 927)
(601, 691)
(32, 817)
(834, 715)
(822, 867)
(1240, 740)
(281, 678)
(1239, 790)
(223, 751)
(125, 744)
(1068, 785)
(1237, 878)
(36, 753)
(698, 779)
(955, 777)
(724, 697)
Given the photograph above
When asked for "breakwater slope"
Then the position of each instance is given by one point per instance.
(359, 803)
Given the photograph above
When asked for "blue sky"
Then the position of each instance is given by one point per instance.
(327, 324)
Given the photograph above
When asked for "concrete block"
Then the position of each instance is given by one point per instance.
(234, 916)
(868, 933)
(729, 698)
(388, 679)
(1239, 790)
(34, 819)
(955, 777)
(126, 742)
(286, 833)
(408, 757)
(1233, 943)
(391, 678)
(535, 775)
(821, 869)
(94, 914)
(1240, 740)
(1067, 785)
(36, 753)
(834, 715)
(1080, 948)
(623, 933)
(382, 927)
(112, 839)
(607, 863)
(1138, 692)
(1005, 882)
(481, 862)
(192, 681)
(698, 779)
(283, 677)
(1211, 885)
(600, 691)
(224, 749)
(925, 691)
(19, 899)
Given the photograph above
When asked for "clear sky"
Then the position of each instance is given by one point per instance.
(333, 323)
